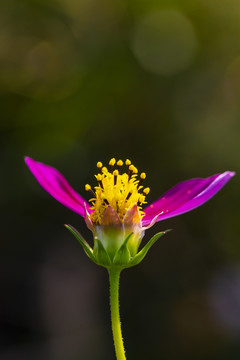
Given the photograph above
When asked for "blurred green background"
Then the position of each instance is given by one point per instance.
(154, 81)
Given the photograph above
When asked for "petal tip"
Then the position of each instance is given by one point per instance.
(228, 175)
(28, 160)
(232, 173)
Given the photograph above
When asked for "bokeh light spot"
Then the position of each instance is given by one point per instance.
(224, 298)
(165, 42)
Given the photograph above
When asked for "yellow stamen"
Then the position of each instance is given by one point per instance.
(99, 177)
(141, 199)
(120, 163)
(112, 162)
(120, 191)
(146, 191)
(133, 169)
(87, 187)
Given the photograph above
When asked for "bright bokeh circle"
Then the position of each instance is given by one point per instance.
(164, 42)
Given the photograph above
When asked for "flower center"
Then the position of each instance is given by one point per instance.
(120, 191)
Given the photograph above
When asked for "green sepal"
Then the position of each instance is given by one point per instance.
(141, 255)
(88, 250)
(122, 256)
(102, 257)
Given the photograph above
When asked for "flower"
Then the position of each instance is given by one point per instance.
(116, 215)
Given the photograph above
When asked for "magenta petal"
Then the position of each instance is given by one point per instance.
(185, 196)
(56, 185)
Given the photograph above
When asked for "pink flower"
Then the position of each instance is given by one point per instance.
(116, 216)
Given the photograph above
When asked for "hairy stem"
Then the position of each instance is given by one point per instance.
(114, 276)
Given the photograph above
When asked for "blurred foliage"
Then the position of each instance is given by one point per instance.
(156, 82)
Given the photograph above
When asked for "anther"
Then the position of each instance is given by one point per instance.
(146, 191)
(115, 173)
(112, 163)
(89, 189)
(99, 179)
(142, 177)
(128, 162)
(99, 164)
(132, 170)
(119, 164)
(141, 199)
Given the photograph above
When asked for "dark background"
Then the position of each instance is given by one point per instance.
(154, 81)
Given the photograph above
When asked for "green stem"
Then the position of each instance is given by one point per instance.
(114, 276)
